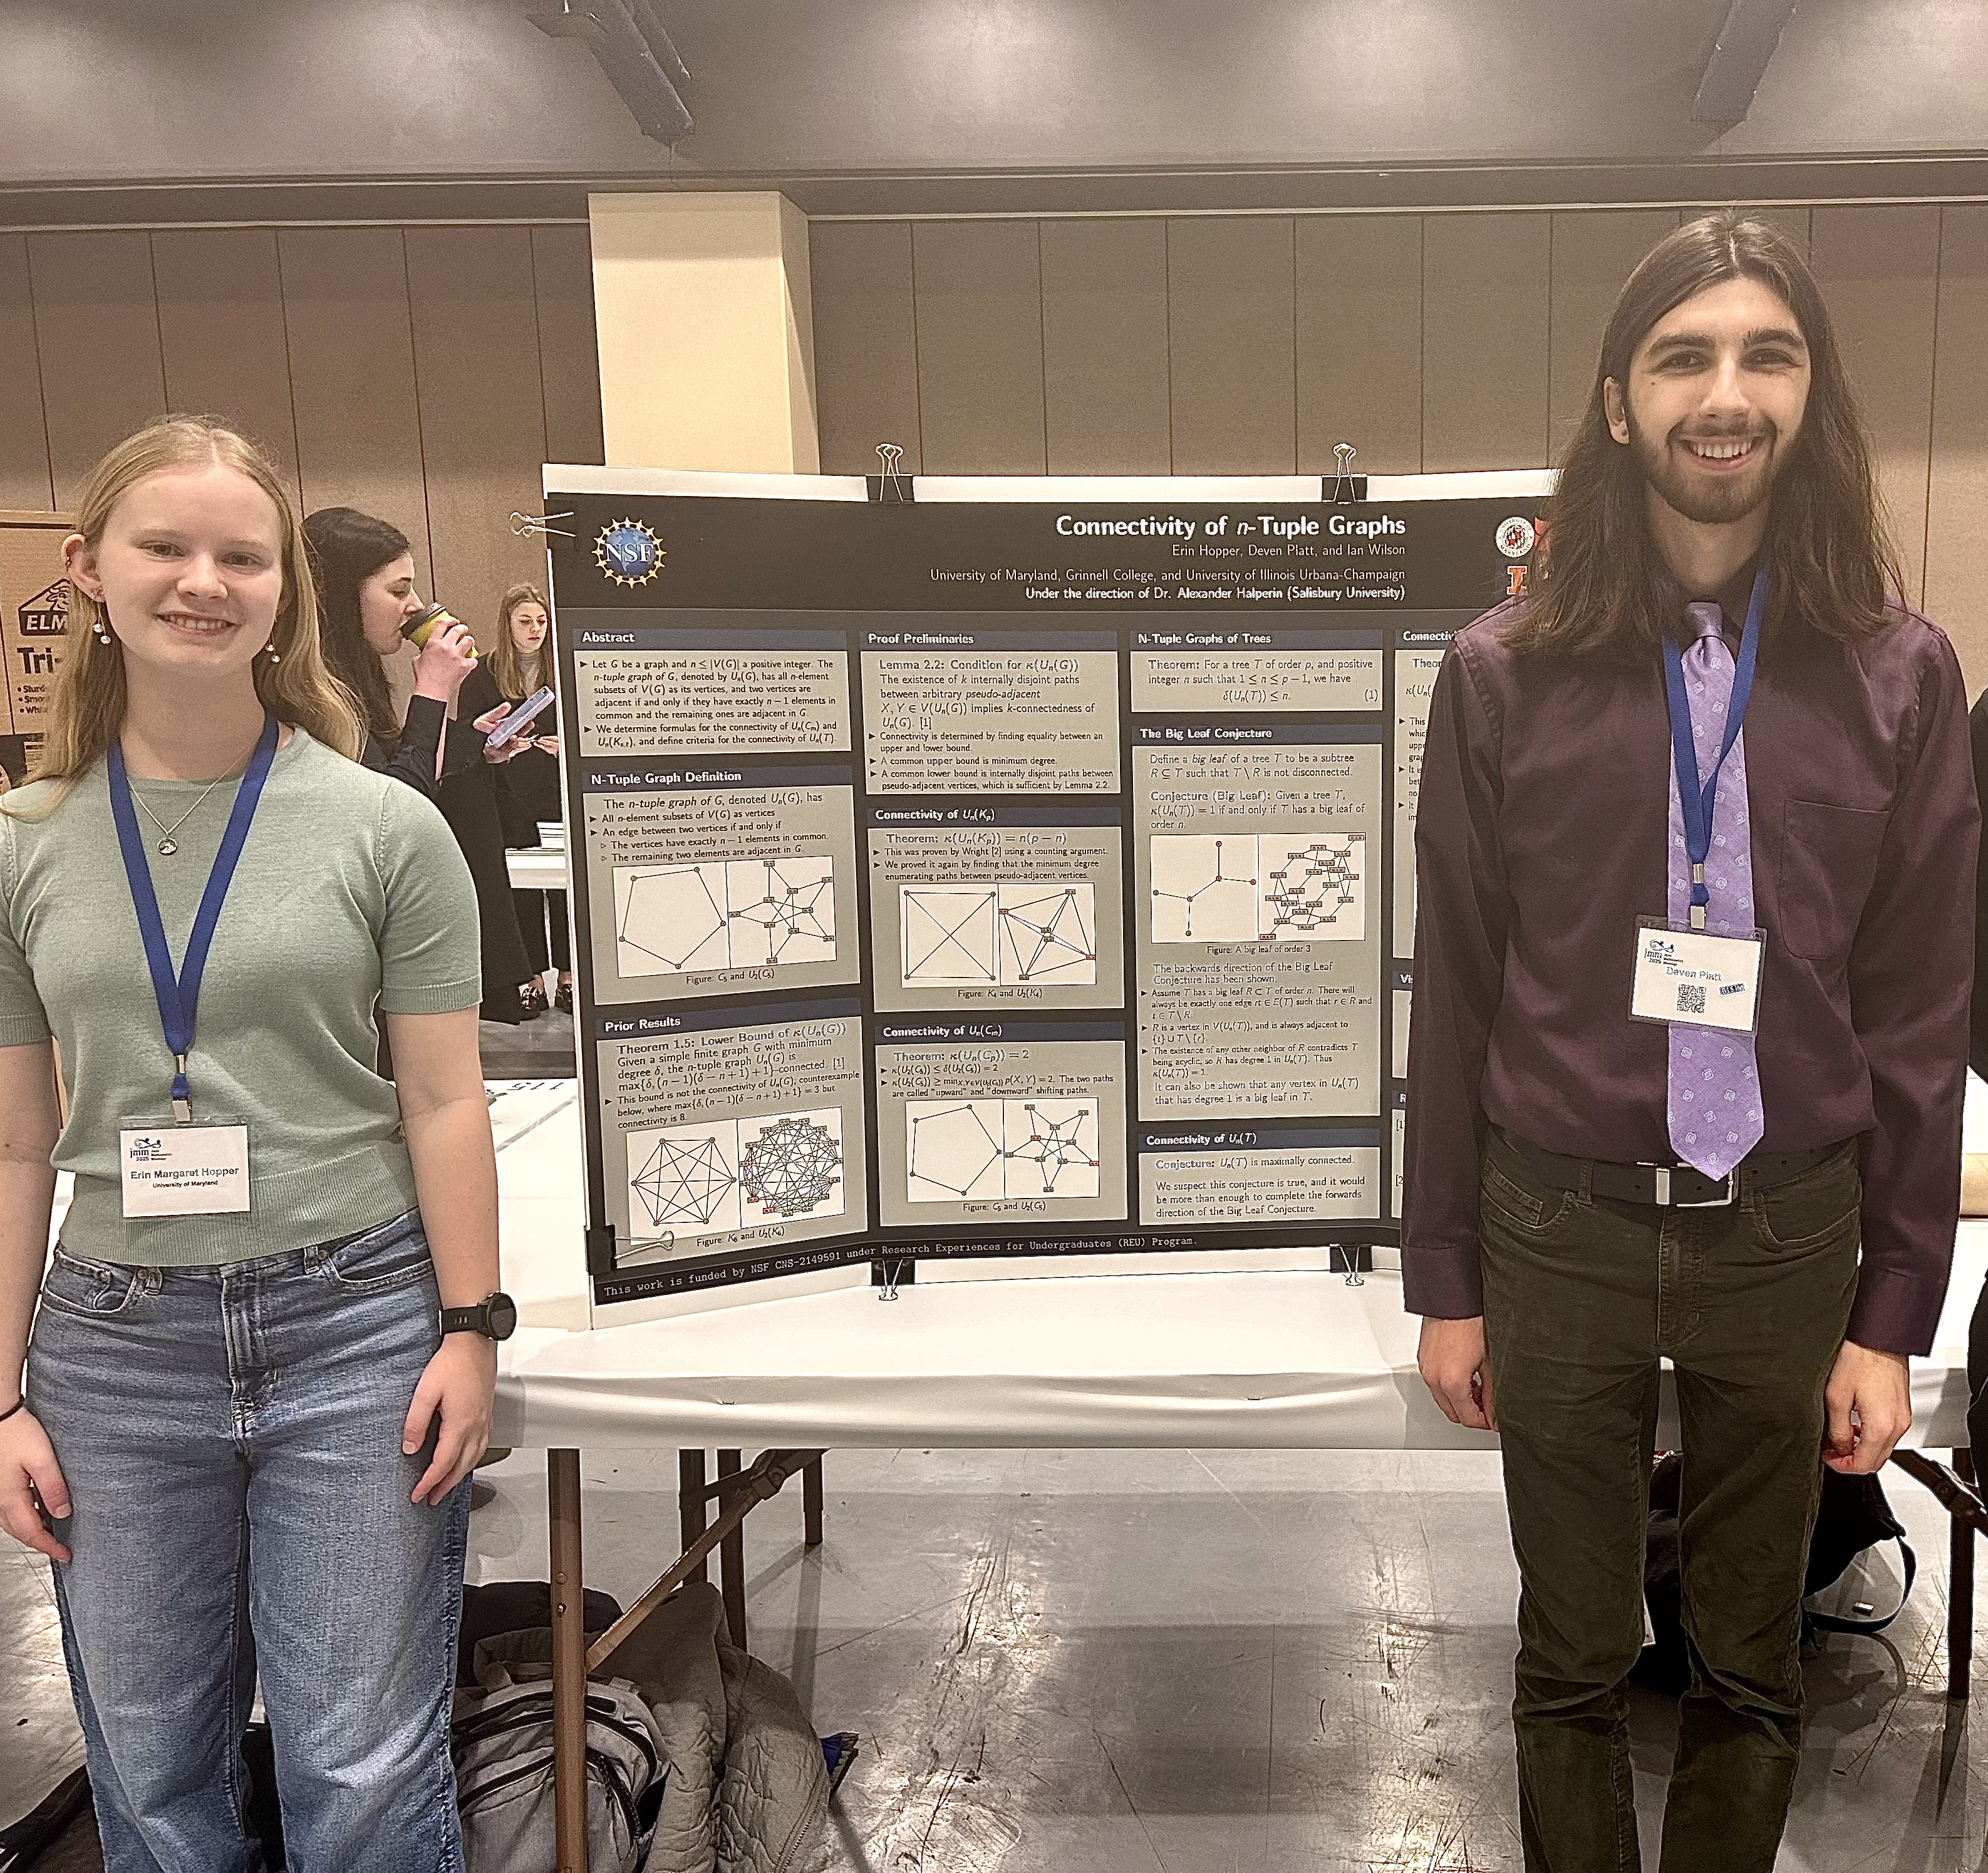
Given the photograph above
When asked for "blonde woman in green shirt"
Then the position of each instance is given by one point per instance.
(246, 1426)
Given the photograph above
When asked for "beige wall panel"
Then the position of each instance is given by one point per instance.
(568, 352)
(483, 433)
(1485, 314)
(1956, 546)
(1879, 270)
(221, 329)
(865, 343)
(97, 327)
(352, 375)
(978, 294)
(1231, 298)
(1360, 342)
(1104, 347)
(24, 438)
(1593, 255)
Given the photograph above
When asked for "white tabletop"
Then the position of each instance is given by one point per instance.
(536, 868)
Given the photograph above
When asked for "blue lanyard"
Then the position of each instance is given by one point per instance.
(1696, 803)
(178, 996)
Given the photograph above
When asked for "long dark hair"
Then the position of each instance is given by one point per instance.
(1604, 585)
(347, 548)
(507, 665)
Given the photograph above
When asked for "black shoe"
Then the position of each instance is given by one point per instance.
(532, 998)
(562, 999)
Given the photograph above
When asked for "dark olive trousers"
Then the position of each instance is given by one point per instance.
(1582, 1295)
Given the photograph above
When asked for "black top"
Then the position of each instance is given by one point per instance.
(527, 784)
(413, 760)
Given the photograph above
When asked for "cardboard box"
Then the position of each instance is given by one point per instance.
(34, 630)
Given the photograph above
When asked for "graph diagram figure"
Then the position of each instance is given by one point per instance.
(1244, 887)
(953, 1149)
(1204, 888)
(670, 918)
(1314, 890)
(1052, 1148)
(733, 1174)
(782, 910)
(1048, 933)
(681, 1183)
(961, 1148)
(723, 914)
(792, 1166)
(948, 934)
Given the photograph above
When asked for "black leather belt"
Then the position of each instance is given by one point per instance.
(1669, 1186)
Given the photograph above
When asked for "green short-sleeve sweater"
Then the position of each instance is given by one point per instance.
(350, 891)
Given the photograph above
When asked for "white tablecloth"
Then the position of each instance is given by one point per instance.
(1258, 1359)
(536, 868)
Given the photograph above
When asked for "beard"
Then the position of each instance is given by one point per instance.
(1708, 501)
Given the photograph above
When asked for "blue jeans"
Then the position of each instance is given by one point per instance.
(231, 1438)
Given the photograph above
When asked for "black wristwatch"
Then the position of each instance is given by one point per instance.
(495, 1317)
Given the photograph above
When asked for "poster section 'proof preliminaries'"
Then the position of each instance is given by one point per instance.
(1024, 876)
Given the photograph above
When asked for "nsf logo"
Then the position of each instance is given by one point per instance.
(628, 553)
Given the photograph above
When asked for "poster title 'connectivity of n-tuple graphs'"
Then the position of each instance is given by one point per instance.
(1017, 877)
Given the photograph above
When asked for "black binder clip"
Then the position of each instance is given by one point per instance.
(1345, 487)
(526, 525)
(600, 1250)
(890, 487)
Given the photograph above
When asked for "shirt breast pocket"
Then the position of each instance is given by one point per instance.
(1829, 860)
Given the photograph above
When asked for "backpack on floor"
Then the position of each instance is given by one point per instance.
(501, 1738)
(1854, 1515)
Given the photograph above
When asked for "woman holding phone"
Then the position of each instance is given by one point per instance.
(521, 663)
(262, 1358)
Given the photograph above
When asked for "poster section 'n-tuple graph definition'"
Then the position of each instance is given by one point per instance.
(1013, 869)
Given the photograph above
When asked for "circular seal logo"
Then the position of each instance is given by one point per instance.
(1515, 537)
(628, 552)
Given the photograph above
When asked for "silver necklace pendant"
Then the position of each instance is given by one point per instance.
(166, 848)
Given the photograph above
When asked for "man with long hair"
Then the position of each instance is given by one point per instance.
(1695, 852)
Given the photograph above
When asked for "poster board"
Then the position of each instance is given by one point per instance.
(1014, 868)
(34, 628)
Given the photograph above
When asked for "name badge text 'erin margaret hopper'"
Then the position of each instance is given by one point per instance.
(185, 1170)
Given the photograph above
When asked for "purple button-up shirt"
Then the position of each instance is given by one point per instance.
(1540, 839)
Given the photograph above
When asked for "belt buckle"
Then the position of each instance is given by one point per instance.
(1664, 1200)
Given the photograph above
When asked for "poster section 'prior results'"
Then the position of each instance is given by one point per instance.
(996, 878)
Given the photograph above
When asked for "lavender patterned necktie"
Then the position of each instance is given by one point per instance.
(1715, 1106)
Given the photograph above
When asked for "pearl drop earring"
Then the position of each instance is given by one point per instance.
(269, 650)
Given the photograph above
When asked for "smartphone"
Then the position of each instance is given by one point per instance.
(533, 705)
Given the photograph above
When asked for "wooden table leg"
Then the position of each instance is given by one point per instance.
(568, 1661)
(732, 1561)
(1960, 1593)
(691, 1500)
(811, 1504)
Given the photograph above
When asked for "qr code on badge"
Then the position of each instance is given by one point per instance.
(1691, 998)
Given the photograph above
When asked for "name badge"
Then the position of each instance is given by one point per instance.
(1694, 977)
(185, 1170)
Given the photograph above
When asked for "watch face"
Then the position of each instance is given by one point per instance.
(502, 1314)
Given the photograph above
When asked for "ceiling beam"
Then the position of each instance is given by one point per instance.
(1739, 56)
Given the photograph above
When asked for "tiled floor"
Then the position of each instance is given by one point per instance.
(1177, 1662)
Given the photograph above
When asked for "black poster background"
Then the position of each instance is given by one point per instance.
(1413, 572)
